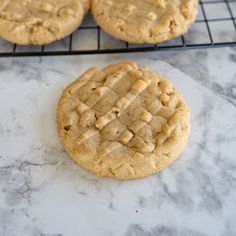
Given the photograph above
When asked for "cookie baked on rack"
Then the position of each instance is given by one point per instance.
(40, 21)
(144, 21)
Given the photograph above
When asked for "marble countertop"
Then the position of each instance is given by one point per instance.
(43, 193)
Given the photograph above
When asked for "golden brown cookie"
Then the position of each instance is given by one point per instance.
(122, 121)
(40, 21)
(144, 21)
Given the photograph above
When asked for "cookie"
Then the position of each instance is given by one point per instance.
(144, 21)
(122, 121)
(40, 21)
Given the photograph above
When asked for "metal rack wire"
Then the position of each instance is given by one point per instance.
(214, 27)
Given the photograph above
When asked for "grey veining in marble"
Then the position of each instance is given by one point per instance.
(43, 193)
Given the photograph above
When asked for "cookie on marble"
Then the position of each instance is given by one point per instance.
(40, 21)
(145, 21)
(122, 121)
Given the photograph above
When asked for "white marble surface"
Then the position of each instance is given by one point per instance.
(43, 193)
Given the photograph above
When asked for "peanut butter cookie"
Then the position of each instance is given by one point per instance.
(40, 21)
(145, 21)
(122, 121)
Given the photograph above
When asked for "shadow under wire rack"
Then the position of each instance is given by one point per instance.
(215, 27)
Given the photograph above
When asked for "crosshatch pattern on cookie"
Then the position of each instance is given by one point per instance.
(122, 109)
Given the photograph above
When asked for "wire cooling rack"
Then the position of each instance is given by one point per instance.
(214, 27)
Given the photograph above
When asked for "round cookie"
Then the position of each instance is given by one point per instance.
(40, 21)
(122, 121)
(144, 21)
